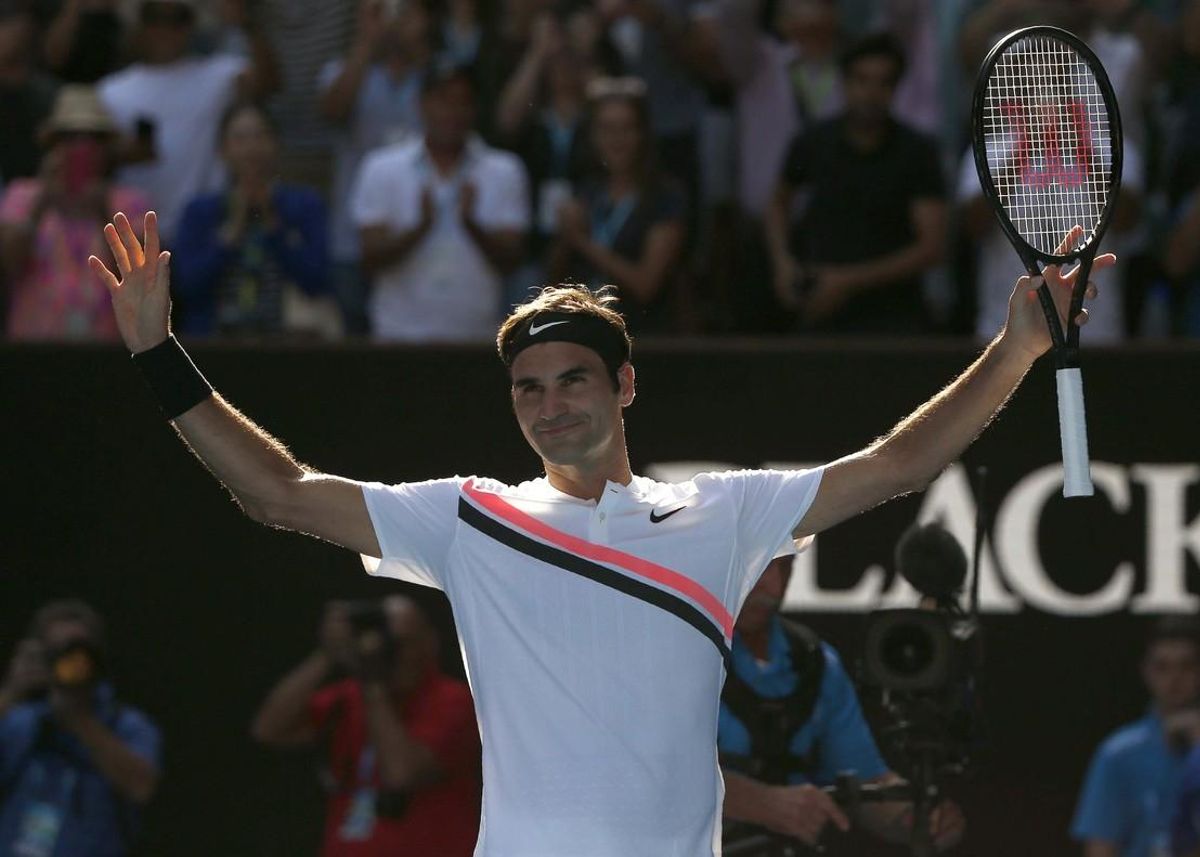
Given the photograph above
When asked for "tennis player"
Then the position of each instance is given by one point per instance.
(595, 607)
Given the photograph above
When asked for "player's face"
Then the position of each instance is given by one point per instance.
(565, 402)
(1172, 673)
(764, 599)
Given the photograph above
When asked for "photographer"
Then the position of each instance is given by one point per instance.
(75, 765)
(403, 747)
(1129, 795)
(790, 723)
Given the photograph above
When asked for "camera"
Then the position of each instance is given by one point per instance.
(917, 650)
(76, 664)
(375, 647)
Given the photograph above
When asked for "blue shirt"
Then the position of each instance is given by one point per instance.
(1185, 831)
(1130, 792)
(836, 728)
(43, 766)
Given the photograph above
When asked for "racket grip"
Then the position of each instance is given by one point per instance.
(1072, 424)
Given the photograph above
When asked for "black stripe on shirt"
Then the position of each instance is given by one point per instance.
(594, 571)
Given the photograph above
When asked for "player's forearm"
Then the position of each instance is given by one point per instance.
(935, 434)
(282, 720)
(255, 467)
(403, 762)
(133, 776)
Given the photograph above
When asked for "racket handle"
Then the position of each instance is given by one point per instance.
(1077, 478)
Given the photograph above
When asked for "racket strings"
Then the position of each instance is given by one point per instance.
(1048, 142)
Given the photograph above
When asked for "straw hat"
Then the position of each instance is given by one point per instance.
(78, 109)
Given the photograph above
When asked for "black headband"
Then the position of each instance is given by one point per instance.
(590, 331)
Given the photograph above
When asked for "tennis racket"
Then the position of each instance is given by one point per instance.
(1047, 141)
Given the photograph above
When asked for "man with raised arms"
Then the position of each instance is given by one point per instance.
(595, 607)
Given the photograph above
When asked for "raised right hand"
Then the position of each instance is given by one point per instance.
(141, 298)
(27, 671)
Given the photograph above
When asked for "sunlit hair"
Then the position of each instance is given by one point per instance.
(566, 298)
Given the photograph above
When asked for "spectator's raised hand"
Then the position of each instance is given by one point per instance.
(572, 222)
(27, 673)
(141, 297)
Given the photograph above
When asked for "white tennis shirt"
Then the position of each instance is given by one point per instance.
(595, 637)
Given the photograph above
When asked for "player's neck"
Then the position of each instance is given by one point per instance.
(588, 482)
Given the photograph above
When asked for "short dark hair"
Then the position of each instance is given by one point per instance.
(875, 45)
(240, 106)
(69, 610)
(1174, 629)
(441, 72)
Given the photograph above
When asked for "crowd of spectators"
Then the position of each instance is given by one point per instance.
(407, 169)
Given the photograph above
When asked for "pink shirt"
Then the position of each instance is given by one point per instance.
(57, 296)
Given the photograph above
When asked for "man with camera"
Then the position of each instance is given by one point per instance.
(790, 724)
(76, 766)
(403, 748)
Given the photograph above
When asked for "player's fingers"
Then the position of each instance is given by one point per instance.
(1104, 260)
(105, 275)
(118, 249)
(1091, 292)
(1071, 237)
(132, 245)
(1082, 318)
(150, 227)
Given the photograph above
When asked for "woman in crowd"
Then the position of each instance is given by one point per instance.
(50, 224)
(253, 259)
(625, 226)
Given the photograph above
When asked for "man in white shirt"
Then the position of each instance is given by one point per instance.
(442, 219)
(175, 101)
(594, 607)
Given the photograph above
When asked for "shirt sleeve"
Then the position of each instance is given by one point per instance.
(414, 523)
(1101, 813)
(1185, 827)
(768, 505)
(370, 196)
(844, 741)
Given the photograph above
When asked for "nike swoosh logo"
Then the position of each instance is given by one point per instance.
(535, 329)
(655, 519)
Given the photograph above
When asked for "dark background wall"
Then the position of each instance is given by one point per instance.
(207, 609)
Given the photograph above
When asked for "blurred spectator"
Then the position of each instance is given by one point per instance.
(373, 96)
(85, 40)
(541, 118)
(873, 220)
(1129, 796)
(402, 743)
(652, 40)
(996, 263)
(443, 220)
(76, 765)
(175, 100)
(49, 225)
(1185, 826)
(26, 95)
(625, 227)
(253, 259)
(1182, 264)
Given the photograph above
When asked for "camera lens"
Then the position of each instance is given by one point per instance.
(907, 650)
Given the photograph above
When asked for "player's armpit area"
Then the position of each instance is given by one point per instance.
(328, 507)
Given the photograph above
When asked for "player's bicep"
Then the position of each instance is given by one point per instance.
(849, 486)
(333, 509)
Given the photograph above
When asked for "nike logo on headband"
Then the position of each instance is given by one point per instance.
(535, 329)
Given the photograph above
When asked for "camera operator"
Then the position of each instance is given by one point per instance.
(789, 724)
(403, 748)
(75, 765)
(1130, 793)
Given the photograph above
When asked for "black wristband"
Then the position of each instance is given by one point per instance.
(172, 377)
